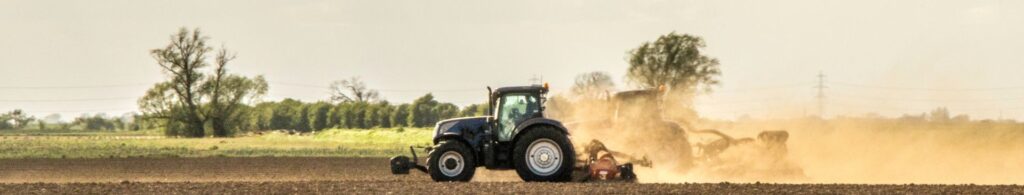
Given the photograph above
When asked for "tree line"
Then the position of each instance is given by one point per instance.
(19, 120)
(301, 116)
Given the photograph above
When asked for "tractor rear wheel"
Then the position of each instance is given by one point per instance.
(544, 154)
(451, 161)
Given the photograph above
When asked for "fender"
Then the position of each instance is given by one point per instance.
(539, 121)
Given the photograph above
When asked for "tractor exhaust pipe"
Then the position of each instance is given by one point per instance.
(490, 101)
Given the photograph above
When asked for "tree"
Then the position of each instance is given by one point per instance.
(370, 116)
(592, 85)
(161, 103)
(15, 119)
(384, 114)
(317, 115)
(286, 114)
(140, 122)
(378, 114)
(940, 114)
(445, 111)
(399, 117)
(242, 121)
(182, 60)
(474, 110)
(300, 119)
(676, 62)
(227, 93)
(95, 122)
(352, 90)
(334, 116)
(228, 97)
(190, 99)
(421, 111)
(117, 123)
(673, 61)
(357, 115)
(262, 114)
(343, 113)
(21, 119)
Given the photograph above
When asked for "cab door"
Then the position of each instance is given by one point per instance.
(514, 108)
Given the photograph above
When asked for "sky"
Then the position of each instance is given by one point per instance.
(877, 56)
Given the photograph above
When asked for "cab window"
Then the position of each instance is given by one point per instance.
(513, 109)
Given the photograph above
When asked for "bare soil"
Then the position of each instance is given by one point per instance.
(275, 175)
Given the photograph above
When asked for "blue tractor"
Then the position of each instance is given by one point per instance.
(515, 135)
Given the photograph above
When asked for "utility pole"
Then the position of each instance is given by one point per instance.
(821, 94)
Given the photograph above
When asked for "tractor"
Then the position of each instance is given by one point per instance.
(515, 135)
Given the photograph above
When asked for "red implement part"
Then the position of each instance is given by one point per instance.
(604, 168)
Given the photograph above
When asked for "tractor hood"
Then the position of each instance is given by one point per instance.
(466, 128)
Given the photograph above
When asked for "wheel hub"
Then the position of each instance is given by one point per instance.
(451, 163)
(544, 157)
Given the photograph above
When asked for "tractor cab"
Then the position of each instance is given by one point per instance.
(511, 106)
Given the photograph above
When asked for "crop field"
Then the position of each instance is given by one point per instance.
(335, 142)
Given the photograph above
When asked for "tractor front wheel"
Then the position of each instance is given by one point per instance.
(544, 154)
(451, 161)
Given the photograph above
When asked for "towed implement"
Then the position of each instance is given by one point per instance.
(636, 119)
(598, 163)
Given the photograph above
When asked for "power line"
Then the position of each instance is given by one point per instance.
(926, 89)
(74, 86)
(847, 95)
(68, 100)
(737, 111)
(737, 101)
(300, 85)
(432, 91)
(783, 86)
(389, 90)
(906, 109)
(82, 110)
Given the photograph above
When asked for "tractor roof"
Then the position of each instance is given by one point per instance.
(524, 89)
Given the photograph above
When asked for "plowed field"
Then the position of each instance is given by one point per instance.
(354, 175)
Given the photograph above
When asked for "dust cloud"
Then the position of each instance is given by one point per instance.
(870, 150)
